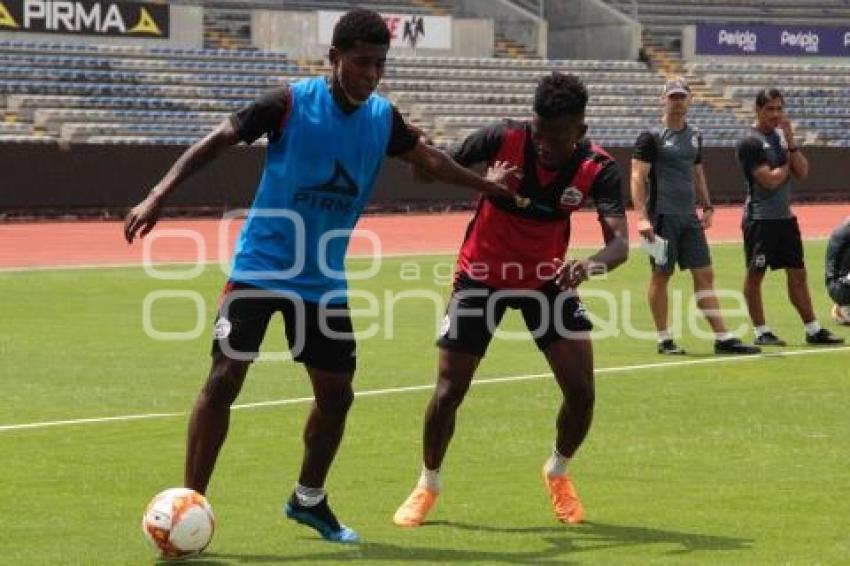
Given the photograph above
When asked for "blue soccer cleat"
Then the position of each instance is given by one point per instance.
(321, 518)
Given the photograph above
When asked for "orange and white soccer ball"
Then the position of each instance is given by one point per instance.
(179, 522)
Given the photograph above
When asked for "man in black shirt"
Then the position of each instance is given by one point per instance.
(770, 160)
(514, 255)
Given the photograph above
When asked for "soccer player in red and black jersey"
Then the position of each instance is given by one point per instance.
(514, 256)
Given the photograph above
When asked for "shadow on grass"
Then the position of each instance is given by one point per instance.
(563, 543)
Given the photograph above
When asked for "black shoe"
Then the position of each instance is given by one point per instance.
(734, 346)
(824, 336)
(670, 348)
(321, 518)
(769, 339)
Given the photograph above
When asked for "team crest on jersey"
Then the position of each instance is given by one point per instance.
(522, 202)
(571, 197)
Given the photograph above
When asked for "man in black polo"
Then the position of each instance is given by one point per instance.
(770, 160)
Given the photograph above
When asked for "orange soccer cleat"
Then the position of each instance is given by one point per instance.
(415, 508)
(565, 502)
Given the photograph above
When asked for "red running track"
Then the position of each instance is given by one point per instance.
(83, 243)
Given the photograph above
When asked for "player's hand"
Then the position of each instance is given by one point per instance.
(707, 217)
(498, 175)
(143, 217)
(571, 273)
(501, 171)
(645, 230)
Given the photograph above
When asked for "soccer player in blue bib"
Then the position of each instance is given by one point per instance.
(327, 139)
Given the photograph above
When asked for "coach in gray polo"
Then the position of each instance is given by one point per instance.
(668, 158)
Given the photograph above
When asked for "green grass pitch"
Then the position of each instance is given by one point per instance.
(741, 462)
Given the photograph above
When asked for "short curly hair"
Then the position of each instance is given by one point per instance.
(560, 94)
(360, 25)
(765, 95)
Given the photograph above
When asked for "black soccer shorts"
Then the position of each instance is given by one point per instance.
(774, 243)
(475, 311)
(319, 336)
(686, 242)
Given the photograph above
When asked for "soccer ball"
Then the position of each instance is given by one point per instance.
(179, 522)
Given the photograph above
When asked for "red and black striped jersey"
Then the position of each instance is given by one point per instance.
(509, 247)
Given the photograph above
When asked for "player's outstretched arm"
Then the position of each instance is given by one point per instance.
(437, 164)
(143, 217)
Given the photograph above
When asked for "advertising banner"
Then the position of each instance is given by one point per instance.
(771, 41)
(406, 30)
(85, 17)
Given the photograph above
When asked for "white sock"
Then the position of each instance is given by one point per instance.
(429, 479)
(763, 329)
(309, 496)
(556, 465)
(664, 335)
(812, 327)
(723, 336)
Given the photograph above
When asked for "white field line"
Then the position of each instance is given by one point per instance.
(435, 254)
(429, 386)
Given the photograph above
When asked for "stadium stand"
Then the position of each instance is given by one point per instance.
(71, 93)
(816, 102)
(818, 95)
(94, 98)
(109, 94)
(127, 94)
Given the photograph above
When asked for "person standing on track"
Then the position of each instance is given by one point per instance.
(328, 137)
(771, 160)
(670, 157)
(514, 256)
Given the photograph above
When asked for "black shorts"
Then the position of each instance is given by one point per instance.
(686, 243)
(774, 243)
(319, 336)
(475, 310)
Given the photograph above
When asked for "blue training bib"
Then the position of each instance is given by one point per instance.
(318, 177)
